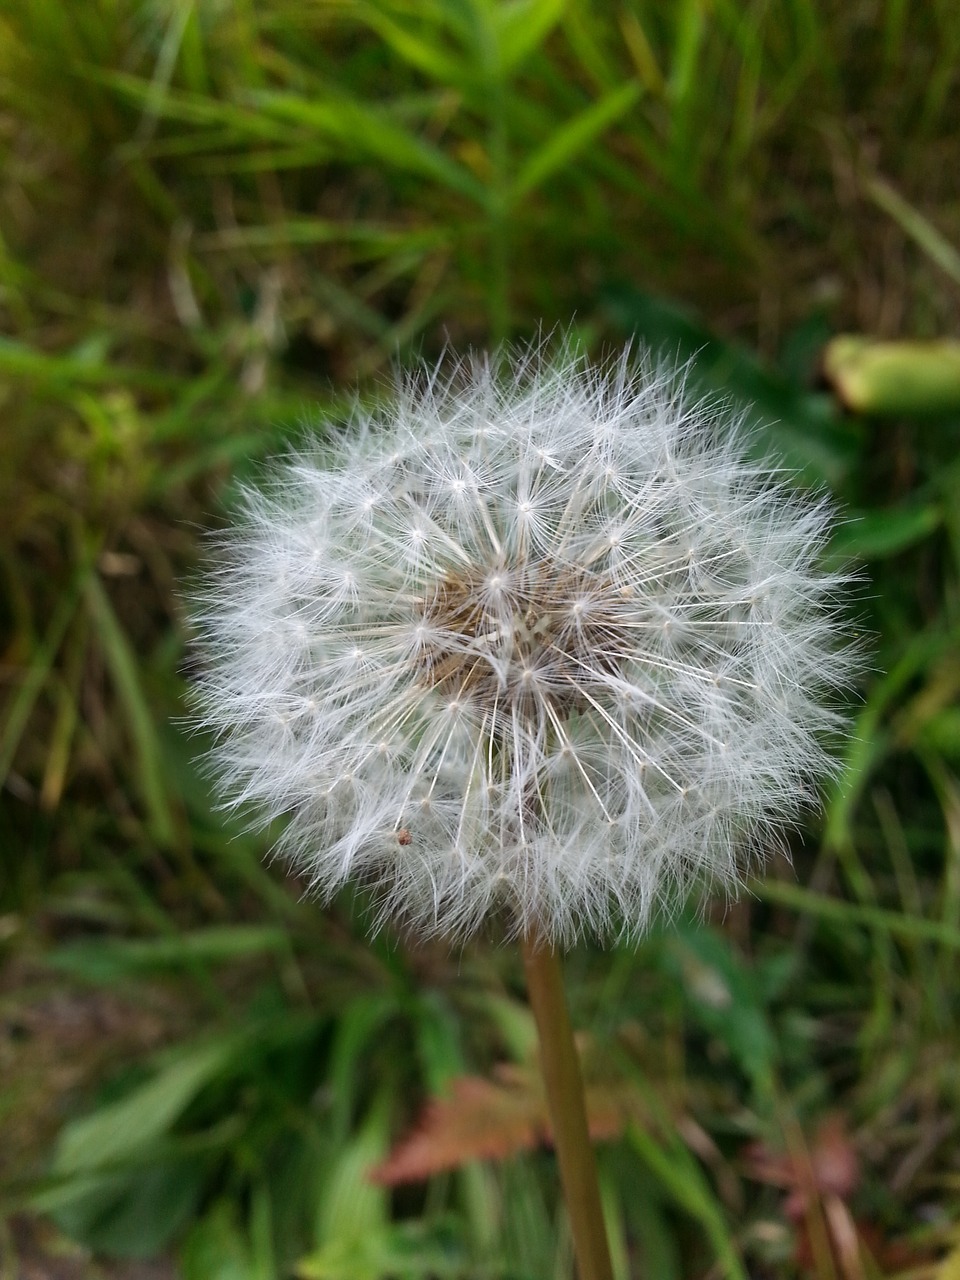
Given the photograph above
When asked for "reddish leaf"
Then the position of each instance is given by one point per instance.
(818, 1183)
(830, 1167)
(492, 1119)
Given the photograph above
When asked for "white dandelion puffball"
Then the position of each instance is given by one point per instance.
(535, 640)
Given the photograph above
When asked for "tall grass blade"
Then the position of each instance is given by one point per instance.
(571, 138)
(124, 669)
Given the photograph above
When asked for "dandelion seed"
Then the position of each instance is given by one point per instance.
(564, 649)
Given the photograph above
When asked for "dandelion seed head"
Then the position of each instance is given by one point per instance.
(536, 640)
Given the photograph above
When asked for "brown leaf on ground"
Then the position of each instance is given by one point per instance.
(818, 1180)
(828, 1166)
(491, 1119)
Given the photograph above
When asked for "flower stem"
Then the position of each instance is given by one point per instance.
(568, 1112)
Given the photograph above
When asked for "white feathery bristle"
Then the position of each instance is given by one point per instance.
(534, 640)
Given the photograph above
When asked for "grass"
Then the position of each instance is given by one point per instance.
(213, 218)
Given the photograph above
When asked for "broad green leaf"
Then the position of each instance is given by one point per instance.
(438, 1038)
(358, 1024)
(352, 1207)
(875, 534)
(132, 1214)
(405, 1250)
(122, 1130)
(217, 1248)
(572, 137)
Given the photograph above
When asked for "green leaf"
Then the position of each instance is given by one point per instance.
(121, 1130)
(374, 133)
(869, 740)
(358, 1024)
(373, 241)
(17, 360)
(726, 997)
(794, 426)
(353, 1209)
(439, 1048)
(132, 1214)
(403, 1250)
(572, 137)
(522, 25)
(218, 1249)
(691, 28)
(111, 959)
(682, 1178)
(873, 535)
(189, 108)
(414, 48)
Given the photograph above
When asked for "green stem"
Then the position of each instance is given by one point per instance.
(498, 223)
(560, 1065)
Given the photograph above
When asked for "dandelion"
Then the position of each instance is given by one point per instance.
(535, 642)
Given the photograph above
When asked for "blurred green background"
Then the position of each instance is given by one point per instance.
(218, 219)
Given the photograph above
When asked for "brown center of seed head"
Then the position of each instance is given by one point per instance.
(519, 640)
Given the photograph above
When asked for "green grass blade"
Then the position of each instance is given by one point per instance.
(869, 741)
(124, 669)
(896, 923)
(114, 959)
(522, 25)
(682, 1178)
(24, 700)
(372, 132)
(920, 229)
(413, 47)
(572, 137)
(17, 360)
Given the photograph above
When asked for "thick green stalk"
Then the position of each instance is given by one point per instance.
(562, 1078)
